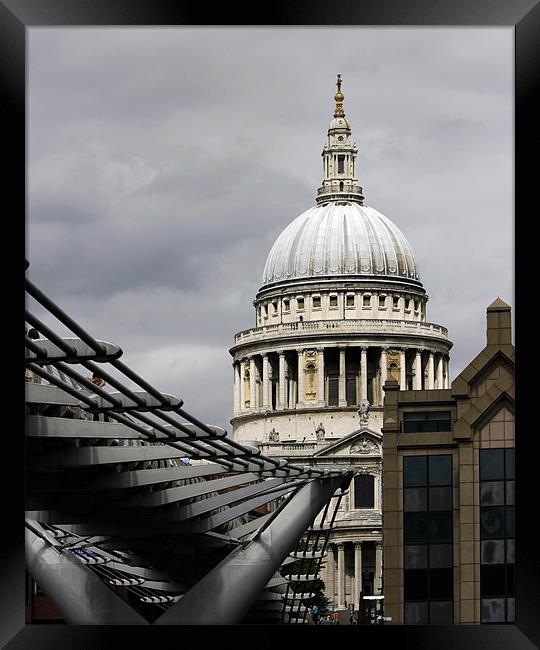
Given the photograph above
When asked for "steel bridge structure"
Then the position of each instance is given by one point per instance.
(138, 513)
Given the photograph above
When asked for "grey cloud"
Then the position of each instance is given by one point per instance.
(163, 163)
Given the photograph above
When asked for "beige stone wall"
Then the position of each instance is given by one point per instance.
(297, 424)
(485, 382)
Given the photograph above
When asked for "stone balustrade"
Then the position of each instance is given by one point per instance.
(356, 325)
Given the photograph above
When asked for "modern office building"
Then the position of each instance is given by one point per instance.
(449, 491)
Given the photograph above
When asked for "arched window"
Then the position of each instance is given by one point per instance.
(341, 186)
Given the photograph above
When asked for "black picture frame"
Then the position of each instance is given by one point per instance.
(16, 16)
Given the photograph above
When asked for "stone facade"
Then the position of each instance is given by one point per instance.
(481, 406)
(340, 310)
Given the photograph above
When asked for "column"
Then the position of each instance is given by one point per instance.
(300, 401)
(242, 384)
(282, 382)
(252, 384)
(266, 383)
(447, 372)
(384, 372)
(418, 370)
(341, 575)
(236, 369)
(290, 400)
(357, 573)
(363, 371)
(431, 372)
(320, 395)
(331, 574)
(438, 372)
(342, 400)
(402, 370)
(378, 569)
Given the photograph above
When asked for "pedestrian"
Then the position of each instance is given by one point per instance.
(98, 381)
(315, 614)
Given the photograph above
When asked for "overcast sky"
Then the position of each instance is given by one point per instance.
(163, 164)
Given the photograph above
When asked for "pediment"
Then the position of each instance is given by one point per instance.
(362, 442)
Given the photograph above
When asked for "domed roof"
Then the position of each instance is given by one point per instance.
(340, 239)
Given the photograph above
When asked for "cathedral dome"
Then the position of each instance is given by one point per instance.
(340, 239)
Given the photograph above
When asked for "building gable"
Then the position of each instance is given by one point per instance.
(363, 442)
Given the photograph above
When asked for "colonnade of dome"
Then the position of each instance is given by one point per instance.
(332, 375)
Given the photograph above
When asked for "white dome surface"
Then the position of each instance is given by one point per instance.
(339, 240)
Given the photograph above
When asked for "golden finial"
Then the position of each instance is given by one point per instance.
(339, 97)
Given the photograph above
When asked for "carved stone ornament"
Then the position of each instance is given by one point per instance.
(273, 436)
(363, 411)
(319, 431)
(364, 446)
(365, 470)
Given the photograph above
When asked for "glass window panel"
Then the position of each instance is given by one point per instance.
(332, 391)
(413, 417)
(441, 583)
(440, 470)
(415, 585)
(414, 470)
(415, 500)
(510, 492)
(411, 427)
(438, 415)
(492, 580)
(491, 523)
(510, 551)
(493, 610)
(415, 557)
(510, 584)
(509, 463)
(440, 498)
(491, 464)
(444, 425)
(510, 521)
(492, 493)
(350, 390)
(441, 613)
(440, 556)
(510, 610)
(440, 527)
(430, 421)
(492, 551)
(415, 527)
(416, 613)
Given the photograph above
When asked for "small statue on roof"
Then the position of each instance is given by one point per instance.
(320, 432)
(363, 411)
